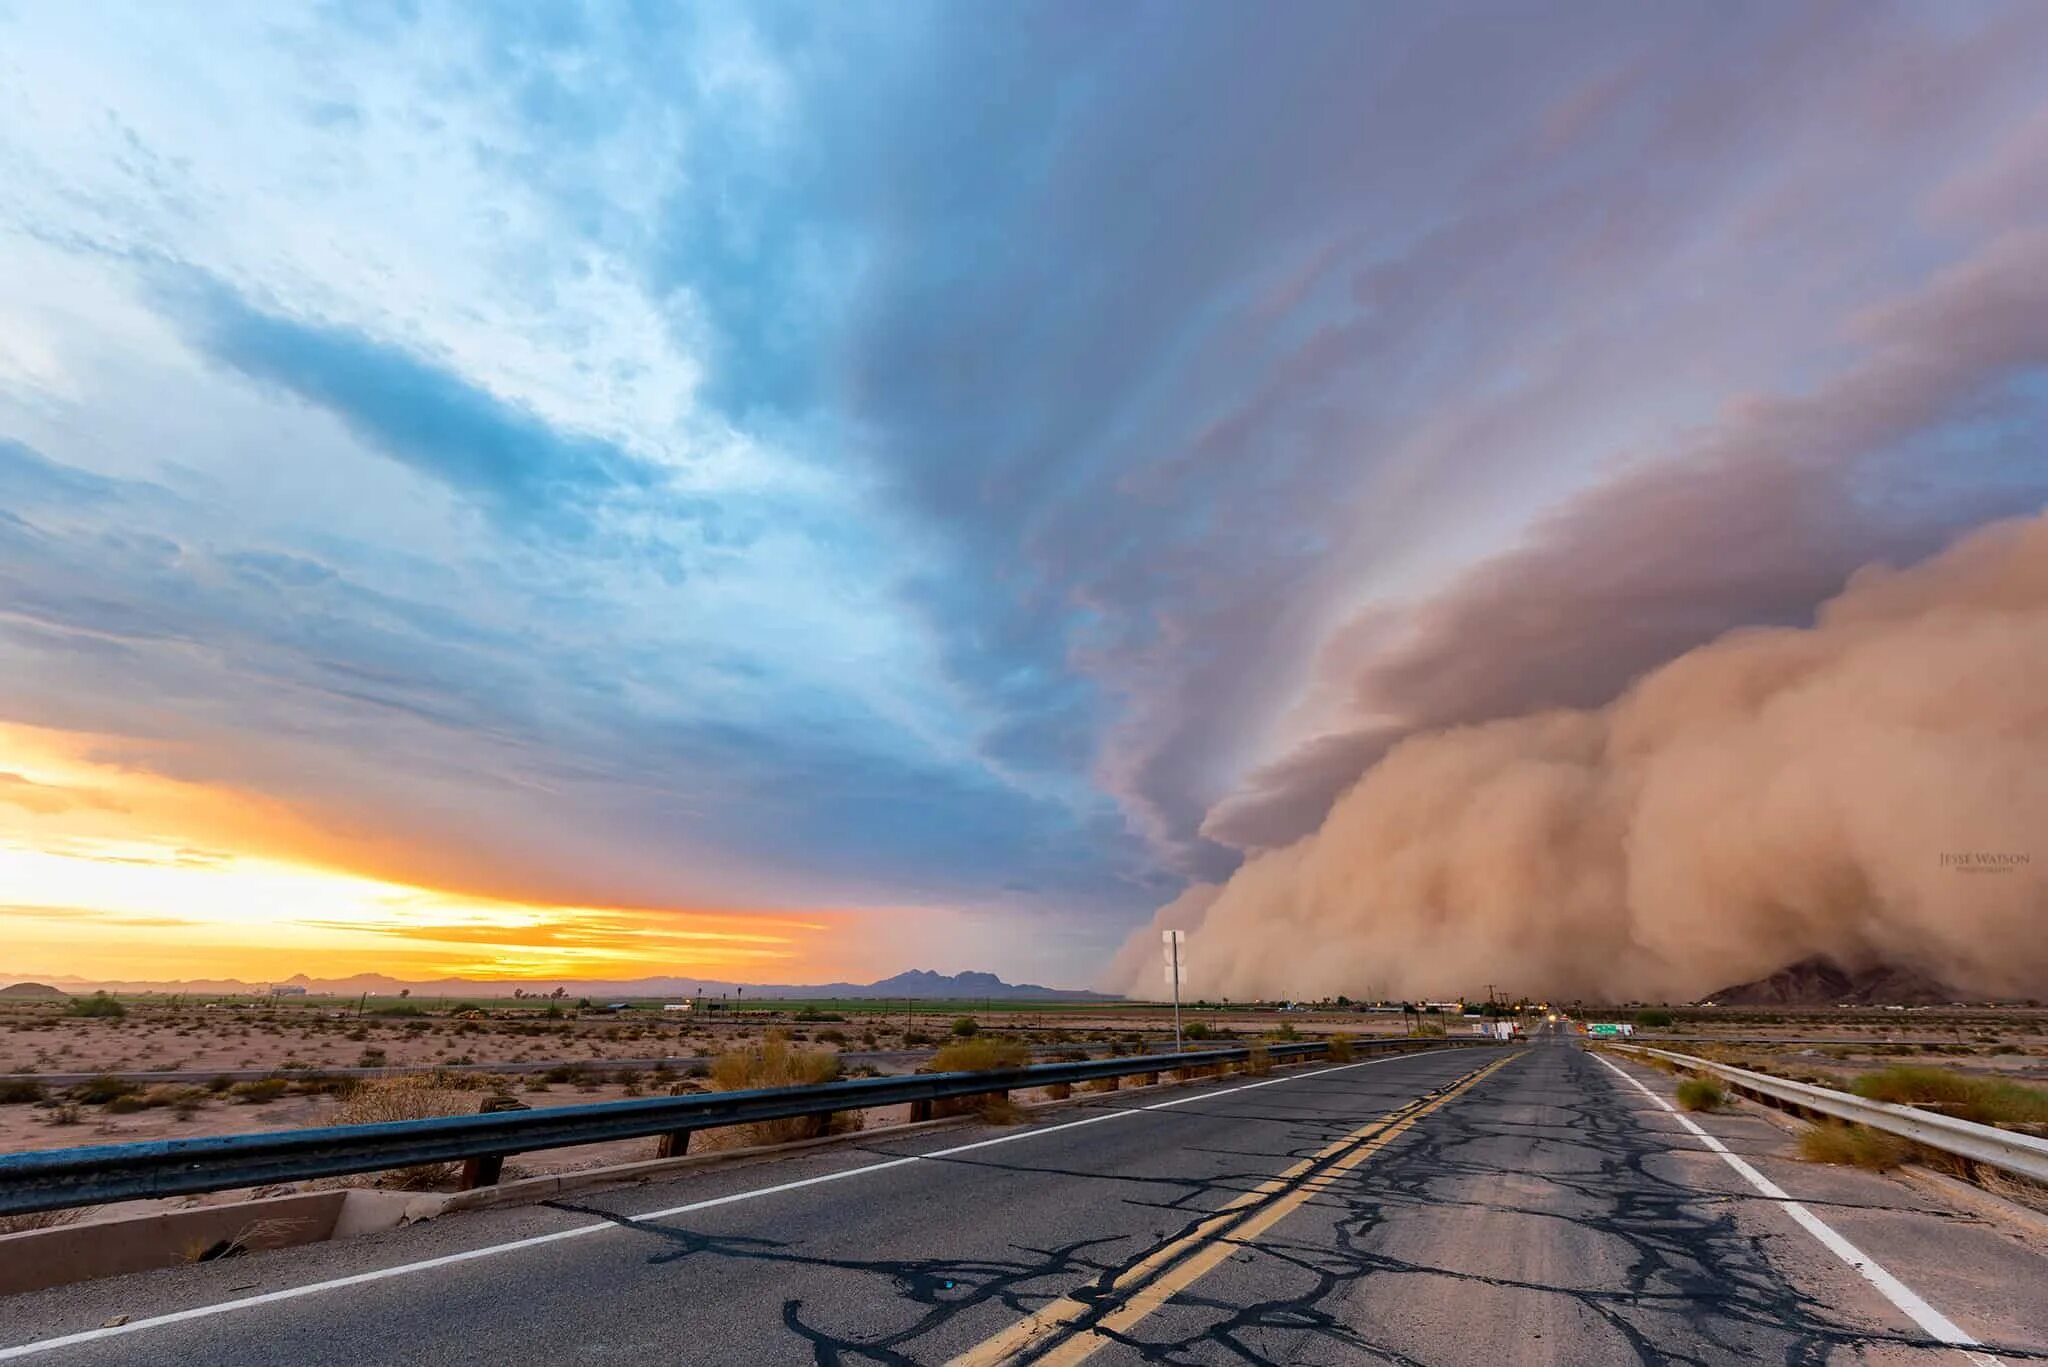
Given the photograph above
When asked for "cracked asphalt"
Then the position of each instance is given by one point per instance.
(1550, 1214)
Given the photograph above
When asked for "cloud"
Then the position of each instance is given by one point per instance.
(519, 469)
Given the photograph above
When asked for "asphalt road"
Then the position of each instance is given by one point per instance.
(1525, 1205)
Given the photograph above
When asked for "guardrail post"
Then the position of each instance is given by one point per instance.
(920, 1111)
(484, 1169)
(674, 1144)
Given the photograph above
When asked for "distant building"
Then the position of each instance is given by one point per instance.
(677, 1006)
(288, 990)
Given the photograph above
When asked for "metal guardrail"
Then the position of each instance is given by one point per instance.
(57, 1178)
(2003, 1149)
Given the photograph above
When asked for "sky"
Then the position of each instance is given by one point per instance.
(793, 492)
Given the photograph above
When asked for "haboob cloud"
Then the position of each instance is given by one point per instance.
(1775, 793)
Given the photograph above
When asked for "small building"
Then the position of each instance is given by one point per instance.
(288, 990)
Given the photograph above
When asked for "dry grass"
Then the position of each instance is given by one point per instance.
(1102, 1084)
(774, 1062)
(1258, 1060)
(1701, 1094)
(1340, 1049)
(1988, 1101)
(1853, 1146)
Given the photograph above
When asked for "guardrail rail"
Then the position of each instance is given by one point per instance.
(58, 1178)
(2022, 1154)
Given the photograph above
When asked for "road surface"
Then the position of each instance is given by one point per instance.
(1536, 1204)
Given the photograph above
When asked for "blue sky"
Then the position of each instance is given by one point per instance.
(988, 464)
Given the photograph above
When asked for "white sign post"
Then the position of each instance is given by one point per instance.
(1173, 940)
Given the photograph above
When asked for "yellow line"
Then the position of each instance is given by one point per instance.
(1053, 1335)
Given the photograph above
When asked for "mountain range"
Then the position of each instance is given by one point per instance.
(1820, 981)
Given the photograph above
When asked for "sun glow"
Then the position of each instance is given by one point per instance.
(109, 872)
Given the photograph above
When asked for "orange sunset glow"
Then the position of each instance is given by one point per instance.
(108, 872)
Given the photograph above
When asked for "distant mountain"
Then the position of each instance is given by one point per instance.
(1820, 981)
(36, 991)
(917, 982)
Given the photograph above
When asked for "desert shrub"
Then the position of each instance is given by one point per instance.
(1430, 1029)
(372, 1058)
(1196, 1030)
(1101, 1084)
(1653, 1019)
(66, 1114)
(126, 1104)
(774, 1063)
(980, 1055)
(1258, 1060)
(914, 1039)
(98, 1091)
(22, 1092)
(98, 1004)
(260, 1092)
(397, 1009)
(831, 1037)
(559, 1073)
(812, 1013)
(410, 1096)
(1988, 1101)
(1701, 1094)
(1340, 1049)
(1854, 1146)
(965, 1027)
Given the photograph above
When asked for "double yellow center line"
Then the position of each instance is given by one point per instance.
(1063, 1331)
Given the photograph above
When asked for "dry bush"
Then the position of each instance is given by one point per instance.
(774, 1063)
(1258, 1060)
(1853, 1145)
(980, 1054)
(1340, 1049)
(1431, 1029)
(1101, 1084)
(1701, 1094)
(410, 1096)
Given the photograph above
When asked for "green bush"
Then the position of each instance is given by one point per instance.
(1196, 1030)
(98, 1004)
(1988, 1101)
(966, 1026)
(1653, 1019)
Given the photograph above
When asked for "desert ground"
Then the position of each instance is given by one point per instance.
(240, 1066)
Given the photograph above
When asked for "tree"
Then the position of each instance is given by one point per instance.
(404, 992)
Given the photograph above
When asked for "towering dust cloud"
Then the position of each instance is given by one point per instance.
(1872, 788)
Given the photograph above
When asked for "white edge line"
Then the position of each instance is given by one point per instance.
(446, 1260)
(1931, 1321)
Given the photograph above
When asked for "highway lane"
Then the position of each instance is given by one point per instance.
(1543, 1213)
